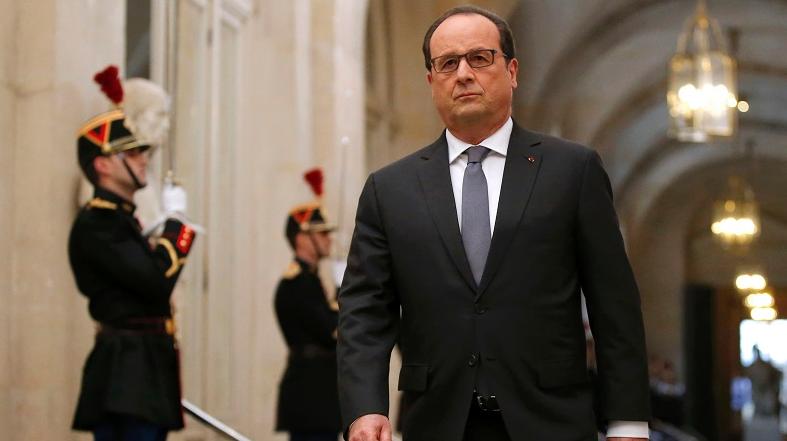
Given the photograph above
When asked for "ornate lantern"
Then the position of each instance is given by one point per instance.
(702, 95)
(736, 219)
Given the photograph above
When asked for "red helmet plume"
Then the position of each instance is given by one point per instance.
(315, 179)
(110, 84)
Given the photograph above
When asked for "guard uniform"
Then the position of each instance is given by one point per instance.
(308, 392)
(133, 368)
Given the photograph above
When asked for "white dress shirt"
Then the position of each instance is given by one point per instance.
(493, 166)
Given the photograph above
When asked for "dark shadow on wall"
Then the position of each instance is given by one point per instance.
(138, 17)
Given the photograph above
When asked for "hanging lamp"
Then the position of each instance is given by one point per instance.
(736, 219)
(702, 94)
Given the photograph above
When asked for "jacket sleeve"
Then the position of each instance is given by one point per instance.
(613, 301)
(368, 315)
(125, 257)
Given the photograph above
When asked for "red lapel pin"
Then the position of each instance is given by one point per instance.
(532, 159)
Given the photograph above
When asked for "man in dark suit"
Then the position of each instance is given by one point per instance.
(472, 254)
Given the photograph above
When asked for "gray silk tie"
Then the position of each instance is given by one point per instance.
(476, 233)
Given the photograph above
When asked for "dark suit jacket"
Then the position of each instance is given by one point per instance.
(520, 331)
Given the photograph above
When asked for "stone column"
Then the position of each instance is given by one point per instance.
(349, 119)
(54, 48)
(7, 99)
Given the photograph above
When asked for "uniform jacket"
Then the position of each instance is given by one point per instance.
(127, 282)
(519, 332)
(308, 395)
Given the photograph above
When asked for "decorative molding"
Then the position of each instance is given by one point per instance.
(231, 19)
(199, 3)
(236, 11)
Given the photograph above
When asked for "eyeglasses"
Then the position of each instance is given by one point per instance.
(476, 59)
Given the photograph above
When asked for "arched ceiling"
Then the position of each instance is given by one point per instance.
(606, 52)
(595, 71)
(672, 170)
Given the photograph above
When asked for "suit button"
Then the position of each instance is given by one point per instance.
(479, 309)
(473, 360)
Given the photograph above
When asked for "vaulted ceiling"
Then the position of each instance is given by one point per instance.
(596, 71)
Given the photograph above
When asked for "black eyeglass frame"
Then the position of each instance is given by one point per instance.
(465, 56)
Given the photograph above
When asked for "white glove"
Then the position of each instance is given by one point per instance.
(337, 270)
(173, 199)
(174, 205)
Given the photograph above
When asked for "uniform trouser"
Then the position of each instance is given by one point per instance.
(313, 436)
(118, 427)
(485, 426)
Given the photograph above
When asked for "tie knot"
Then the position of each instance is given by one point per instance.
(476, 153)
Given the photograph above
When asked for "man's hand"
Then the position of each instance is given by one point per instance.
(372, 427)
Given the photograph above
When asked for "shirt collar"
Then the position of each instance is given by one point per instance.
(497, 142)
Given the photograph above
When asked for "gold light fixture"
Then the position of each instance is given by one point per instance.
(759, 300)
(702, 94)
(763, 314)
(736, 219)
(750, 282)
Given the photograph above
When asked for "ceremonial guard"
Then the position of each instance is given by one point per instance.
(308, 405)
(131, 385)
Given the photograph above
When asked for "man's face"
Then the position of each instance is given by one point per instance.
(322, 242)
(471, 95)
(317, 244)
(114, 170)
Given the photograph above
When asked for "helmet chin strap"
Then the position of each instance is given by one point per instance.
(317, 249)
(131, 173)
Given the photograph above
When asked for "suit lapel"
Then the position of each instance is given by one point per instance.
(523, 161)
(435, 179)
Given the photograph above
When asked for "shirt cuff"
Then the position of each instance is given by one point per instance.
(630, 429)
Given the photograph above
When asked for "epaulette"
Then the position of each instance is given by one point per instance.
(292, 271)
(102, 204)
